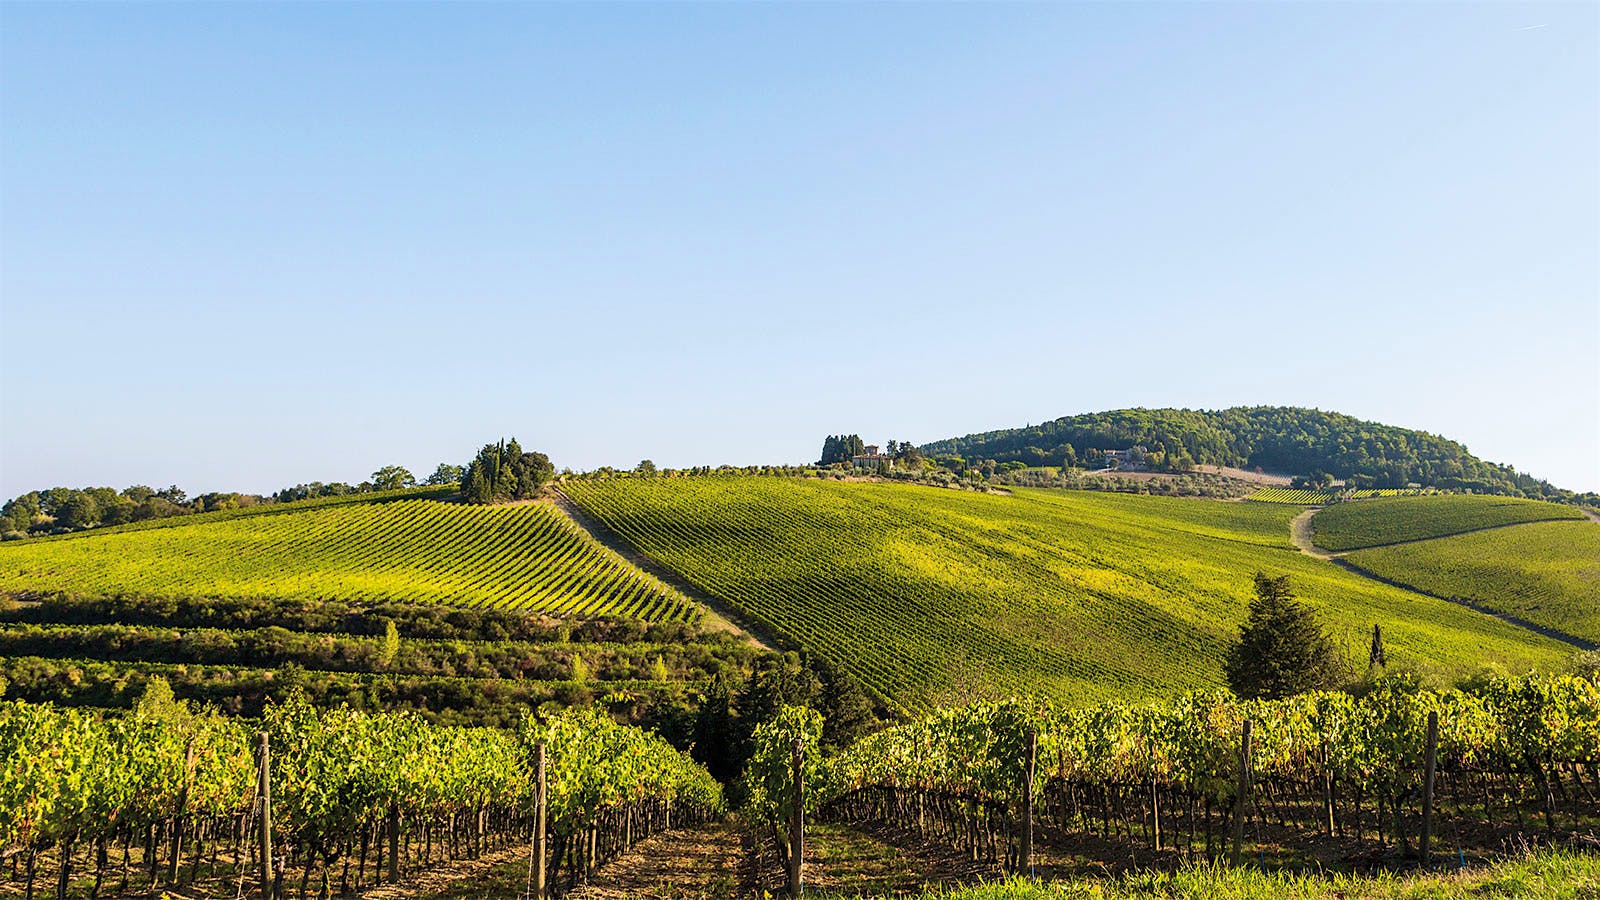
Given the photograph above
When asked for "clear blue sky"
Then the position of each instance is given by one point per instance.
(247, 246)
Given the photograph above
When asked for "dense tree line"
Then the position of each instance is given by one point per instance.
(1288, 440)
(60, 510)
(841, 448)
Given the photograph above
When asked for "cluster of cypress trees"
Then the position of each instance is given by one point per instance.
(502, 472)
(841, 448)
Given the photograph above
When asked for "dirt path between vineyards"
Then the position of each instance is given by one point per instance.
(1301, 535)
(684, 864)
(720, 615)
(440, 880)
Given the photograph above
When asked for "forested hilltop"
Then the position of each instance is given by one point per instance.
(1283, 439)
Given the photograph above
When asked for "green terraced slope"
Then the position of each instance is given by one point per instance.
(1545, 572)
(933, 595)
(1393, 520)
(526, 556)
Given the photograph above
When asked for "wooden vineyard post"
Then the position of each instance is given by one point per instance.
(1155, 816)
(1429, 766)
(1242, 798)
(182, 810)
(264, 798)
(797, 821)
(538, 852)
(1327, 791)
(1029, 770)
(394, 843)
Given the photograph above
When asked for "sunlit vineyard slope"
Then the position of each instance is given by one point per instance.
(1391, 520)
(527, 556)
(929, 594)
(1545, 572)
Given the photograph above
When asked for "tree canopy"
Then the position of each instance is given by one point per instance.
(502, 472)
(1282, 650)
(840, 448)
(1288, 440)
(391, 478)
(445, 474)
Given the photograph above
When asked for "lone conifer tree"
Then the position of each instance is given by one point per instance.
(1375, 656)
(1282, 651)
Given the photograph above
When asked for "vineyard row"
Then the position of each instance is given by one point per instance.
(165, 795)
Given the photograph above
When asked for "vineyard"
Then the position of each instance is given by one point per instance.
(165, 796)
(1199, 777)
(931, 596)
(1295, 496)
(1547, 573)
(451, 665)
(525, 557)
(1373, 523)
(1302, 497)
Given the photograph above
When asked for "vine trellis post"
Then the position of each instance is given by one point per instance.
(181, 811)
(394, 841)
(797, 821)
(1430, 766)
(264, 798)
(1029, 770)
(1242, 795)
(539, 848)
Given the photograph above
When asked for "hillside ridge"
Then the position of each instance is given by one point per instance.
(1296, 440)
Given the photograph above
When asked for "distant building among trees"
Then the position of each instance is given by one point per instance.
(871, 460)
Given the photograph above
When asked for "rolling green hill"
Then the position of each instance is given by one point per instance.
(925, 594)
(931, 595)
(1545, 572)
(528, 557)
(1393, 520)
(1283, 439)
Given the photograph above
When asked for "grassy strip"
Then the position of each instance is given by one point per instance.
(1546, 875)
